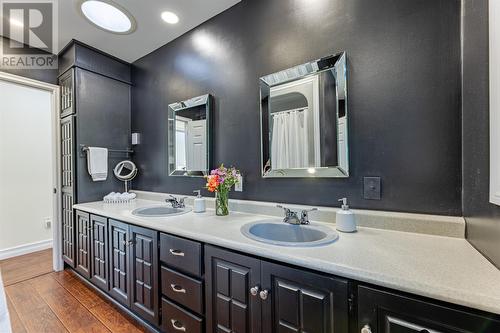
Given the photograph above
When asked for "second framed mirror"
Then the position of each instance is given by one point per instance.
(190, 137)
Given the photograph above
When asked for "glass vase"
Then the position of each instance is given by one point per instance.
(222, 203)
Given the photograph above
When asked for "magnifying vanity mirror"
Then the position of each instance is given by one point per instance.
(190, 137)
(125, 171)
(304, 120)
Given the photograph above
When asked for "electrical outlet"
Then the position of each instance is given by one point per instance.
(372, 188)
(47, 222)
(238, 187)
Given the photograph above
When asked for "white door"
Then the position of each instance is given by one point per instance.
(26, 169)
(196, 145)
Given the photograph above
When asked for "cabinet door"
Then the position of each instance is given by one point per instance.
(119, 254)
(66, 82)
(385, 312)
(144, 273)
(99, 251)
(67, 190)
(300, 301)
(229, 303)
(83, 243)
(68, 229)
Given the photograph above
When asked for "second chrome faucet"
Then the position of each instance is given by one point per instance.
(292, 217)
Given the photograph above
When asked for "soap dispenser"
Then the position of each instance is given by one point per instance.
(199, 203)
(345, 218)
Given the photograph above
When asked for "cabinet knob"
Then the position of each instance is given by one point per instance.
(254, 291)
(178, 325)
(264, 294)
(366, 329)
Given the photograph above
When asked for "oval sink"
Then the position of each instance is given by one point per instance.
(159, 211)
(280, 233)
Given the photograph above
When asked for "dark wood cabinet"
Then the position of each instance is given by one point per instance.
(99, 270)
(144, 273)
(119, 265)
(386, 312)
(230, 305)
(300, 301)
(160, 278)
(245, 294)
(82, 262)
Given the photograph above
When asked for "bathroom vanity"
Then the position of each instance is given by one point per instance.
(199, 273)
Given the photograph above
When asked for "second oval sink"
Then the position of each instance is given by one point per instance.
(159, 211)
(280, 233)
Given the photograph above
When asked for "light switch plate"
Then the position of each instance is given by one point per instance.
(238, 187)
(136, 139)
(372, 188)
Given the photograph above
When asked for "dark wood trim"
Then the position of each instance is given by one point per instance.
(77, 42)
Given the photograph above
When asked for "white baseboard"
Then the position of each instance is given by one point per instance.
(25, 249)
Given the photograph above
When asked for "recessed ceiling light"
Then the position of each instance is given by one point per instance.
(108, 16)
(170, 17)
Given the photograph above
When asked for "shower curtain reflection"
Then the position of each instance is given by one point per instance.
(289, 142)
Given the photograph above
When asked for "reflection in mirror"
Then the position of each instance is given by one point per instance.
(304, 120)
(189, 137)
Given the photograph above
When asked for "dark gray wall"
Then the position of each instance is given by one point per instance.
(45, 75)
(404, 90)
(483, 218)
(103, 120)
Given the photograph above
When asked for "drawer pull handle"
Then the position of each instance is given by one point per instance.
(178, 253)
(178, 325)
(177, 289)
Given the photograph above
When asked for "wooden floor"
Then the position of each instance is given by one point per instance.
(25, 267)
(60, 302)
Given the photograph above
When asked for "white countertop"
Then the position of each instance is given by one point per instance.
(443, 268)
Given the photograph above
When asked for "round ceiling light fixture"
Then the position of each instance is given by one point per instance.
(169, 17)
(108, 16)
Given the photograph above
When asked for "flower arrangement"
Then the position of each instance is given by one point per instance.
(220, 181)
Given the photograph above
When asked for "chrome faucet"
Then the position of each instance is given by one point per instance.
(176, 203)
(292, 217)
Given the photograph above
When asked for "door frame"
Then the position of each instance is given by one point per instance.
(57, 261)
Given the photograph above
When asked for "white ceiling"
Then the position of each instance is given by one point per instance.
(152, 32)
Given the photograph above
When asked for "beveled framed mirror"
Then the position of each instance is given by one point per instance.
(190, 137)
(304, 120)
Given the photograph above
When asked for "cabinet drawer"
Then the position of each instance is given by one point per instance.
(182, 289)
(180, 253)
(176, 319)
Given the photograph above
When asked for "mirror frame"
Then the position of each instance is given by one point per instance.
(173, 108)
(308, 69)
